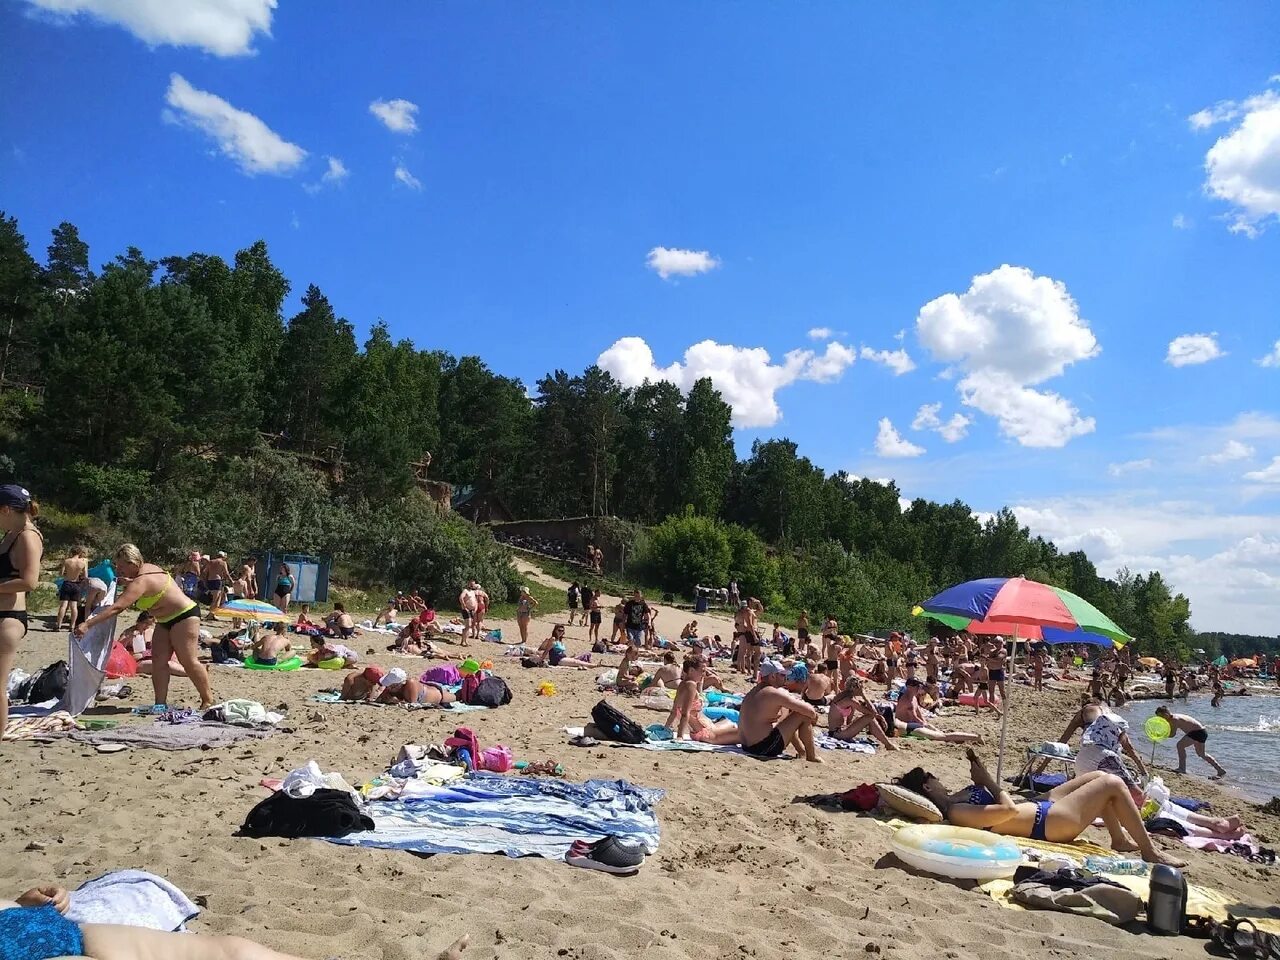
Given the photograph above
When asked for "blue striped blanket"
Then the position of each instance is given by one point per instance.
(518, 816)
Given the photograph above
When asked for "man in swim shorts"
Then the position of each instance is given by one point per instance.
(1194, 735)
(771, 717)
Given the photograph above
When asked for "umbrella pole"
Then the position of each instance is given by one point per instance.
(1004, 708)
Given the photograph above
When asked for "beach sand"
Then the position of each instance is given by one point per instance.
(742, 871)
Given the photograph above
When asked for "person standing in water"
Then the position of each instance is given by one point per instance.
(21, 548)
(1193, 734)
(177, 621)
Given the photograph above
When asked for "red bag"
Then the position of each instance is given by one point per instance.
(864, 797)
(464, 738)
(120, 663)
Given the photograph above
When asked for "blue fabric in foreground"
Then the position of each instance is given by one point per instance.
(38, 933)
(517, 816)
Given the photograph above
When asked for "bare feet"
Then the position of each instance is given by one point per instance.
(1124, 846)
(1159, 856)
(454, 950)
(815, 759)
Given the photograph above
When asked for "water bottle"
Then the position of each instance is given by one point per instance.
(1167, 908)
(1119, 865)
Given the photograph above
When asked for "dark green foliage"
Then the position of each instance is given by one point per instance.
(173, 401)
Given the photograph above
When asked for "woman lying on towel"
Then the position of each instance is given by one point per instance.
(398, 687)
(686, 719)
(34, 928)
(1061, 818)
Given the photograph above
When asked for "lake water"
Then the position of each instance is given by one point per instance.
(1244, 736)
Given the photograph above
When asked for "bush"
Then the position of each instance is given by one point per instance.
(751, 565)
(96, 486)
(686, 550)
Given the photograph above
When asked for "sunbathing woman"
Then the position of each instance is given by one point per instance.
(851, 713)
(551, 652)
(667, 675)
(34, 928)
(686, 719)
(1061, 818)
(399, 687)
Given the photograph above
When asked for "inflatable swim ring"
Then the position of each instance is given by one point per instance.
(293, 663)
(958, 852)
(334, 663)
(720, 713)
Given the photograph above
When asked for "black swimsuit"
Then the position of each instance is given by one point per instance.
(9, 572)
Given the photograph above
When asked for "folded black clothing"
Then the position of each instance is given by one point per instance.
(1064, 879)
(326, 813)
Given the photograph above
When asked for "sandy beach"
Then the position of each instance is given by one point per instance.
(742, 871)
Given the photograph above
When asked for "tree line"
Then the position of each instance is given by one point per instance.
(149, 388)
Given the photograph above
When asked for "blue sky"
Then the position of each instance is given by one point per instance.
(566, 183)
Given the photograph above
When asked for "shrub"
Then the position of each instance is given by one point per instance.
(686, 550)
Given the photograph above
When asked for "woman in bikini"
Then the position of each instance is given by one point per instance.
(686, 720)
(851, 713)
(177, 621)
(525, 606)
(591, 602)
(1061, 818)
(551, 652)
(21, 548)
(399, 687)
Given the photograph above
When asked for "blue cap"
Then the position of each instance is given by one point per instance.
(15, 496)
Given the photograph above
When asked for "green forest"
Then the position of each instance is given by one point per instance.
(172, 401)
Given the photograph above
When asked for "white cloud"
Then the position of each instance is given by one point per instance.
(225, 28)
(399, 116)
(1180, 222)
(335, 173)
(1268, 474)
(1130, 466)
(403, 175)
(927, 417)
(1231, 451)
(890, 443)
(1193, 348)
(1065, 159)
(952, 430)
(1034, 418)
(821, 333)
(254, 146)
(1243, 166)
(1272, 359)
(667, 262)
(1227, 563)
(896, 360)
(1012, 329)
(746, 376)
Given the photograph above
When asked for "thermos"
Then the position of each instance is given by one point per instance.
(1167, 907)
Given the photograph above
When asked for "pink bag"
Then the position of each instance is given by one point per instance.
(496, 759)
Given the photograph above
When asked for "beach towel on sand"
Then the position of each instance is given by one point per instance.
(134, 898)
(186, 736)
(517, 816)
(694, 746)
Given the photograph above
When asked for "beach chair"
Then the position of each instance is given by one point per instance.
(1035, 754)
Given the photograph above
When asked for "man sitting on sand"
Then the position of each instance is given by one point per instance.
(771, 717)
(1195, 734)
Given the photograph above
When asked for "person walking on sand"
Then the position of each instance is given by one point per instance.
(75, 569)
(591, 605)
(524, 612)
(1193, 734)
(772, 717)
(177, 621)
(467, 604)
(635, 614)
(21, 547)
(217, 575)
(572, 596)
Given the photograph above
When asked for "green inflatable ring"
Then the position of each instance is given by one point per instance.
(334, 663)
(293, 663)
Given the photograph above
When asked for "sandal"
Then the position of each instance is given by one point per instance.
(1201, 928)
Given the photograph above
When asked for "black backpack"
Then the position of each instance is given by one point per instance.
(49, 684)
(613, 724)
(492, 692)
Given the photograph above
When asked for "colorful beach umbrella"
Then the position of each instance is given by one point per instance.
(1023, 604)
(247, 608)
(1026, 603)
(988, 628)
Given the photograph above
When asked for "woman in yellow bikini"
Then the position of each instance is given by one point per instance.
(177, 621)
